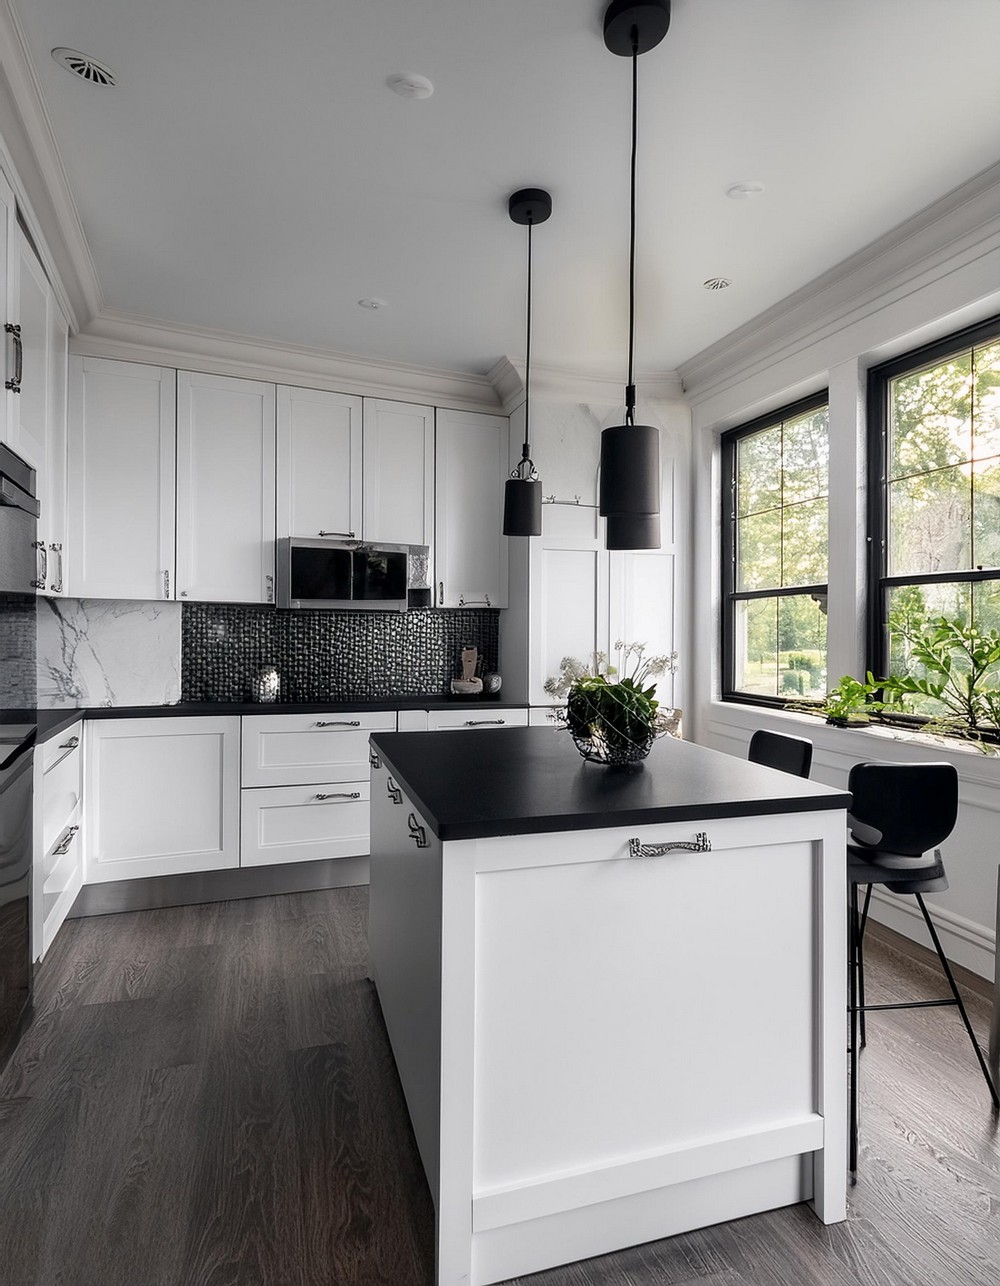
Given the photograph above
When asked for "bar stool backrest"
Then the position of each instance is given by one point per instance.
(778, 750)
(913, 806)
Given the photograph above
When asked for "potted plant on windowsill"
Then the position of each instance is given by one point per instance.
(849, 705)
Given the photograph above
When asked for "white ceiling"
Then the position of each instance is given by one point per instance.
(251, 172)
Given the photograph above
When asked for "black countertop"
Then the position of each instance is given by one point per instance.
(521, 781)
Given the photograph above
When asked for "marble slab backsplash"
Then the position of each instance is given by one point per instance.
(93, 652)
(330, 656)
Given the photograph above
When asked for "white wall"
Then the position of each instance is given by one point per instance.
(933, 275)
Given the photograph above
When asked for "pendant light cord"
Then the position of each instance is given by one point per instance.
(630, 388)
(526, 448)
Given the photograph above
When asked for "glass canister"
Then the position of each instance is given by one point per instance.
(266, 684)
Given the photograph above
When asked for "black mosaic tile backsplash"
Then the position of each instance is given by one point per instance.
(18, 636)
(330, 656)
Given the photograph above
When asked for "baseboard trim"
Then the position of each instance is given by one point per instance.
(159, 891)
(965, 943)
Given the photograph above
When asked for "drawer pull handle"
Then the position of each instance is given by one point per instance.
(417, 832)
(474, 602)
(393, 791)
(481, 723)
(353, 794)
(67, 748)
(700, 844)
(374, 760)
(349, 535)
(72, 744)
(64, 843)
(338, 723)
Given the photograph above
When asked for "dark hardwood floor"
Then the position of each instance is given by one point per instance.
(207, 1098)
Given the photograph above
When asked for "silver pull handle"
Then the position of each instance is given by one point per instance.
(354, 794)
(440, 593)
(474, 602)
(42, 562)
(701, 844)
(374, 760)
(269, 582)
(64, 843)
(481, 723)
(57, 585)
(393, 791)
(166, 584)
(348, 535)
(338, 723)
(417, 832)
(72, 744)
(14, 384)
(67, 748)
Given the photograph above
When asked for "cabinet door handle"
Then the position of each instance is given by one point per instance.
(338, 723)
(417, 832)
(64, 843)
(57, 585)
(474, 602)
(14, 384)
(67, 748)
(353, 794)
(166, 584)
(393, 791)
(348, 535)
(42, 564)
(701, 844)
(374, 760)
(269, 583)
(481, 723)
(440, 593)
(72, 744)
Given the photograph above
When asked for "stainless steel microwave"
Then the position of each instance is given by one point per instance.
(352, 575)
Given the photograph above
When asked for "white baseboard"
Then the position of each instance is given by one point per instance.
(965, 942)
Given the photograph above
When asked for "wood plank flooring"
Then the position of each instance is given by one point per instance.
(207, 1098)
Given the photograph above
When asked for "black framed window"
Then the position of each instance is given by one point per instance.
(934, 494)
(775, 535)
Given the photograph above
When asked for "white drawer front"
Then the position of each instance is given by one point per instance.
(303, 749)
(62, 784)
(60, 747)
(443, 720)
(304, 823)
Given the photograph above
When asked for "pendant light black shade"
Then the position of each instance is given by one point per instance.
(522, 493)
(630, 453)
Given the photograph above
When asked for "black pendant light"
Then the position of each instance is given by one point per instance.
(522, 493)
(630, 452)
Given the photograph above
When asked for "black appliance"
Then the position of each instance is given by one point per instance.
(15, 888)
(352, 575)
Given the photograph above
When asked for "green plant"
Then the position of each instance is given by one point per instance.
(852, 698)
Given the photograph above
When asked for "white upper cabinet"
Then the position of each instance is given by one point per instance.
(52, 526)
(225, 489)
(8, 307)
(470, 551)
(398, 472)
(31, 404)
(121, 479)
(319, 463)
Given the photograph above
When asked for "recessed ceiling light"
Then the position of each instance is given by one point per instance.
(372, 304)
(747, 188)
(407, 84)
(717, 283)
(82, 65)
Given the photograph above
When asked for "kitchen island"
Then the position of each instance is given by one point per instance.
(616, 999)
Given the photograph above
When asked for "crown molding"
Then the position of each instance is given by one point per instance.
(956, 230)
(507, 378)
(39, 176)
(134, 338)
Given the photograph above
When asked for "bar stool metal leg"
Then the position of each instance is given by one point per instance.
(853, 927)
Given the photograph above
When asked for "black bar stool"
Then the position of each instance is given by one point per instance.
(899, 813)
(778, 750)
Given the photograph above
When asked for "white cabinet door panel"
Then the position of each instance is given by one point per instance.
(471, 456)
(121, 479)
(31, 404)
(52, 523)
(319, 463)
(398, 473)
(225, 489)
(304, 823)
(8, 307)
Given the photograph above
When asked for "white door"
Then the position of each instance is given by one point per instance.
(163, 796)
(470, 469)
(8, 306)
(32, 404)
(319, 463)
(399, 472)
(225, 489)
(120, 483)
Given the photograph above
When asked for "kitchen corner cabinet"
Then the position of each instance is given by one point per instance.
(319, 463)
(471, 458)
(398, 506)
(225, 489)
(120, 486)
(163, 796)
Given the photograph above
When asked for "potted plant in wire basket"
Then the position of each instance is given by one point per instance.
(611, 711)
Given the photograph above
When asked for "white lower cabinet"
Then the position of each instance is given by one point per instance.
(304, 823)
(58, 856)
(163, 796)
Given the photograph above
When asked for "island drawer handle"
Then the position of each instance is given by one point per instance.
(63, 845)
(701, 844)
(354, 794)
(417, 832)
(481, 723)
(393, 791)
(338, 723)
(374, 760)
(67, 747)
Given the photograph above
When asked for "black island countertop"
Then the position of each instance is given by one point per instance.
(522, 781)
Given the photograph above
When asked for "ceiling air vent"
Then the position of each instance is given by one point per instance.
(84, 66)
(717, 283)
